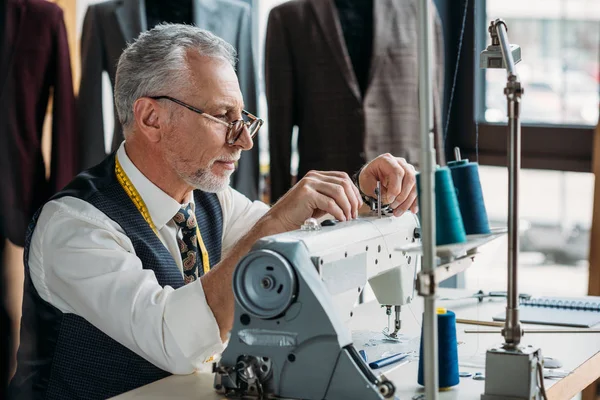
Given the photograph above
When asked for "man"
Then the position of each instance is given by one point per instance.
(129, 268)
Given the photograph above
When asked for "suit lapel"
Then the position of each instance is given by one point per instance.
(382, 14)
(332, 31)
(207, 16)
(131, 15)
(13, 32)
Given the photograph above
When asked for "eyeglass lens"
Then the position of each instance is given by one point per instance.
(236, 130)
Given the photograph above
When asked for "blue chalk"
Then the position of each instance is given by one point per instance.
(388, 360)
(363, 355)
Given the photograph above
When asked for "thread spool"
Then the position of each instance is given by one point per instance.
(465, 176)
(449, 226)
(448, 374)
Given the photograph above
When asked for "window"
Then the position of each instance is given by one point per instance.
(557, 107)
(560, 42)
(555, 219)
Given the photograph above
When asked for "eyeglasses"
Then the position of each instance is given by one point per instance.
(234, 129)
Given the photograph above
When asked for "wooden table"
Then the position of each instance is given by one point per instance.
(579, 353)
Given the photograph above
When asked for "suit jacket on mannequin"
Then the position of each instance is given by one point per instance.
(34, 62)
(175, 11)
(311, 83)
(110, 25)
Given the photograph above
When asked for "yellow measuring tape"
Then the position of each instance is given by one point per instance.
(134, 195)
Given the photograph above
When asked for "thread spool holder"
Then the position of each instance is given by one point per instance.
(451, 259)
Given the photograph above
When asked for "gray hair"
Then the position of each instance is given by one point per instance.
(156, 61)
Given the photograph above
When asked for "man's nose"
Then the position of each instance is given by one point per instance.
(245, 142)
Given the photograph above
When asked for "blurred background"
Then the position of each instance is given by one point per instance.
(560, 71)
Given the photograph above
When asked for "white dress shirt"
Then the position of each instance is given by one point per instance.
(83, 263)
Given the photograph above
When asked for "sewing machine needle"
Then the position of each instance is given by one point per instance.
(378, 192)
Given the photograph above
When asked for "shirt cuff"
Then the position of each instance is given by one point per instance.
(192, 325)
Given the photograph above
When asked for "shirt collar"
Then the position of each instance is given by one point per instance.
(160, 205)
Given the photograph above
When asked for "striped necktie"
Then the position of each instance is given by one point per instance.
(188, 243)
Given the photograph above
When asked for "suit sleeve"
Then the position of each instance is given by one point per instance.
(247, 176)
(279, 81)
(89, 102)
(63, 166)
(438, 89)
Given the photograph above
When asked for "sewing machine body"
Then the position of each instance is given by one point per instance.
(349, 254)
(295, 291)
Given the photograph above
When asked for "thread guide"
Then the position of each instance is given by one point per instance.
(455, 250)
(451, 259)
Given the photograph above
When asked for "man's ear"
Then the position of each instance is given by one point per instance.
(149, 118)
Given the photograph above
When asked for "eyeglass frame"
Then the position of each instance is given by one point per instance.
(230, 125)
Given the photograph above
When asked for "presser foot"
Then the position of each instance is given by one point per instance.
(395, 335)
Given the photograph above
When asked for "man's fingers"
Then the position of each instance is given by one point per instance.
(392, 171)
(414, 208)
(329, 205)
(409, 190)
(341, 180)
(407, 183)
(393, 184)
(401, 208)
(338, 195)
(347, 182)
(352, 186)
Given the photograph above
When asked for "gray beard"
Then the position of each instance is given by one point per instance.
(207, 181)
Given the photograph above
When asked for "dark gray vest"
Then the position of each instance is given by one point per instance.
(62, 356)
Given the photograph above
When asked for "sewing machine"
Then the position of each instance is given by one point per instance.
(295, 291)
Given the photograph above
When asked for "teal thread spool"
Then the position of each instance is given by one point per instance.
(448, 374)
(465, 176)
(449, 226)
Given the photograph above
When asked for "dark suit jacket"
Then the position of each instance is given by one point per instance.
(310, 84)
(110, 25)
(35, 63)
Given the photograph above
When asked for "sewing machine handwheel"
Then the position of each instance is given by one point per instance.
(264, 284)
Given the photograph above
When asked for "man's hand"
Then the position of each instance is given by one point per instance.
(315, 195)
(398, 182)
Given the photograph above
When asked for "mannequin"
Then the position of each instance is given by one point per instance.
(35, 68)
(110, 25)
(344, 72)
